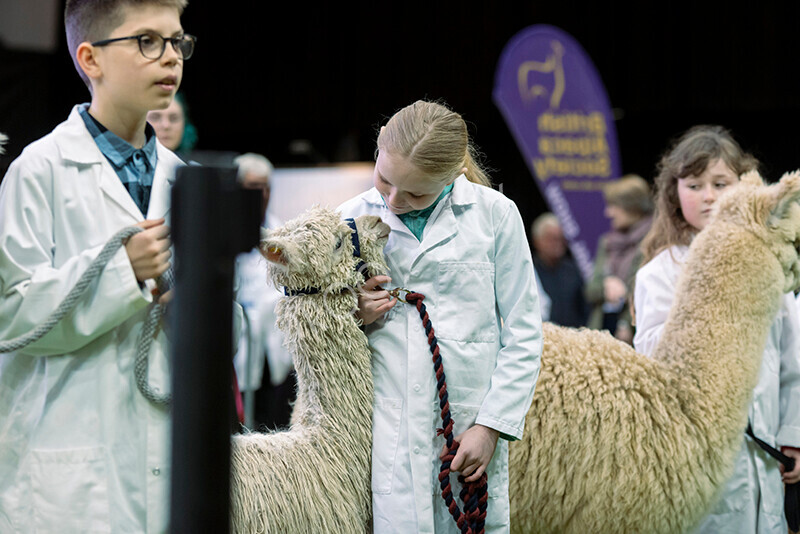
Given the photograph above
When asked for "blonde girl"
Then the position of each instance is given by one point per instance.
(463, 245)
(701, 165)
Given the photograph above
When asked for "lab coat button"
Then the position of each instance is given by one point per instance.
(416, 387)
(416, 450)
(156, 471)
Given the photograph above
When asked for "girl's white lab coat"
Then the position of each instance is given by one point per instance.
(81, 450)
(754, 494)
(474, 268)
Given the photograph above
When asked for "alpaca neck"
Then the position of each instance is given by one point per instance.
(714, 337)
(332, 362)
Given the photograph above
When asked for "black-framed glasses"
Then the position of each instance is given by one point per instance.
(152, 45)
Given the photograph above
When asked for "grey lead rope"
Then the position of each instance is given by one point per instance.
(69, 302)
(142, 350)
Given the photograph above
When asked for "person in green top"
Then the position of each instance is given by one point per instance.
(629, 205)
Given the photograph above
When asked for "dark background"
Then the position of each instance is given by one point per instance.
(265, 74)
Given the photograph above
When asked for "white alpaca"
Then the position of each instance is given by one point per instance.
(315, 477)
(617, 442)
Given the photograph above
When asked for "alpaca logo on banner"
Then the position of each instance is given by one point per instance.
(554, 65)
(556, 107)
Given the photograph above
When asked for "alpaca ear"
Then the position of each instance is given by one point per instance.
(272, 252)
(3, 140)
(752, 178)
(271, 249)
(783, 195)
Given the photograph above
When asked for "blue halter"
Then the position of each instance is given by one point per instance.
(356, 254)
(356, 246)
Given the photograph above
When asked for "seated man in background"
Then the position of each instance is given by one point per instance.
(558, 273)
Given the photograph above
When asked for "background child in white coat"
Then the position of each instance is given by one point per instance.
(462, 245)
(81, 448)
(704, 162)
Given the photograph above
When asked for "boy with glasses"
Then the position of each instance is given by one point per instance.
(81, 448)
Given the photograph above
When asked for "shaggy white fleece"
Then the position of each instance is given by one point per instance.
(315, 477)
(617, 442)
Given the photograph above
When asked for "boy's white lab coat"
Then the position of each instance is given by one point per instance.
(81, 450)
(754, 494)
(474, 268)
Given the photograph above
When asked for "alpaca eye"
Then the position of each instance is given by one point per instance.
(338, 243)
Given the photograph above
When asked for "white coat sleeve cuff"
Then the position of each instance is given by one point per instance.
(788, 436)
(508, 431)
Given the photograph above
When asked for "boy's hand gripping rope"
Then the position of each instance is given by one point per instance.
(70, 301)
(474, 495)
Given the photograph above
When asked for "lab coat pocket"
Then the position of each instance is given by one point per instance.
(463, 415)
(466, 303)
(69, 490)
(385, 435)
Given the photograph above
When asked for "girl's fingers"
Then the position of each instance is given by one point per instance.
(455, 465)
(375, 281)
(476, 475)
(383, 308)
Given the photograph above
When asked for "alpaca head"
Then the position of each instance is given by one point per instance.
(315, 250)
(771, 212)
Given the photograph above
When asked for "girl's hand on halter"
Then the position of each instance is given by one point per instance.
(373, 300)
(792, 476)
(477, 447)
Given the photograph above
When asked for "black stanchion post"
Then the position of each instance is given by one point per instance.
(212, 220)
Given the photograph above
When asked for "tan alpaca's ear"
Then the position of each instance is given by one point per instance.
(784, 195)
(752, 178)
(87, 60)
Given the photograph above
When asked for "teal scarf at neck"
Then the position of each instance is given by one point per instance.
(417, 219)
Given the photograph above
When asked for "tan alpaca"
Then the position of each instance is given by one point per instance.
(315, 477)
(616, 442)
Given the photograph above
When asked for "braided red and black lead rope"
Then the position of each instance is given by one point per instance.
(474, 495)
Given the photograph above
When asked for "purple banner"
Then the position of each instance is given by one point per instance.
(556, 107)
